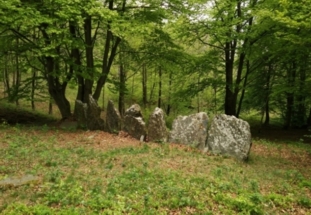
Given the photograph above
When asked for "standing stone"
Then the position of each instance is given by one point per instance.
(190, 130)
(229, 136)
(113, 118)
(94, 122)
(134, 111)
(81, 113)
(157, 130)
(134, 124)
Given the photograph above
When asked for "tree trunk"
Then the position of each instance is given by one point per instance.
(88, 83)
(58, 94)
(33, 88)
(133, 87)
(109, 54)
(103, 98)
(75, 55)
(160, 88)
(144, 85)
(291, 75)
(198, 98)
(267, 113)
(13, 82)
(76, 66)
(244, 87)
(301, 112)
(215, 87)
(235, 47)
(230, 100)
(168, 109)
(152, 89)
(17, 76)
(57, 90)
(122, 76)
(267, 95)
(50, 106)
(309, 119)
(6, 79)
(4, 83)
(289, 110)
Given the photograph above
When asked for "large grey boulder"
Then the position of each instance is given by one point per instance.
(157, 130)
(190, 130)
(229, 136)
(113, 118)
(134, 124)
(93, 120)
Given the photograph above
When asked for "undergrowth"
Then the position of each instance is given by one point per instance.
(78, 178)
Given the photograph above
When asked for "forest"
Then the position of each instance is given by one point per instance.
(184, 56)
(244, 58)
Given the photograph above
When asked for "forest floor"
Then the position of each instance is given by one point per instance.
(93, 172)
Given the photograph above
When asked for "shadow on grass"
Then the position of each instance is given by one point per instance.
(11, 114)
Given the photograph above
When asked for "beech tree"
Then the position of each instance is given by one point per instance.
(289, 24)
(181, 51)
(78, 39)
(226, 29)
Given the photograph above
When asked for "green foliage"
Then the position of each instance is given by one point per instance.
(186, 39)
(305, 202)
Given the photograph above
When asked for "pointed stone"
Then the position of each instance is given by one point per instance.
(81, 113)
(113, 118)
(157, 130)
(94, 122)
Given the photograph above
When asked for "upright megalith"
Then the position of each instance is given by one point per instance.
(157, 130)
(134, 111)
(113, 118)
(190, 130)
(93, 120)
(81, 113)
(229, 135)
(134, 124)
(88, 115)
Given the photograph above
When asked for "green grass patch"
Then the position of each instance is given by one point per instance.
(80, 178)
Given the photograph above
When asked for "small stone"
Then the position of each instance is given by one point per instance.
(142, 139)
(19, 181)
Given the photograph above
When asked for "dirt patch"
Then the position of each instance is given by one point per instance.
(98, 140)
(301, 159)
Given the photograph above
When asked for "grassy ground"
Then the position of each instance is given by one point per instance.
(82, 172)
